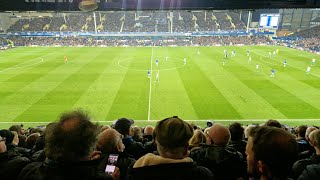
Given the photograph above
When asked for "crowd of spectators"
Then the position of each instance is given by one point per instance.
(131, 21)
(3, 42)
(139, 41)
(306, 39)
(74, 147)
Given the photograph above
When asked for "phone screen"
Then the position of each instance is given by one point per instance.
(112, 160)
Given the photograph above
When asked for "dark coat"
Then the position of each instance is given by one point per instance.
(240, 146)
(134, 149)
(312, 172)
(224, 162)
(49, 170)
(301, 165)
(185, 171)
(10, 167)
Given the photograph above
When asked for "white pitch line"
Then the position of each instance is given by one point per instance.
(40, 57)
(18, 65)
(149, 106)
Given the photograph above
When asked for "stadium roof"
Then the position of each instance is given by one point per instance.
(103, 5)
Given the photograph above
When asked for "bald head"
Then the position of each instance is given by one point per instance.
(148, 130)
(219, 134)
(108, 141)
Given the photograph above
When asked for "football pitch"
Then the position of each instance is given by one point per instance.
(36, 85)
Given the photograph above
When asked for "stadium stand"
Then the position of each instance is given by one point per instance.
(307, 39)
(133, 21)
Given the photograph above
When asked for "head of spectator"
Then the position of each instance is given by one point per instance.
(308, 131)
(197, 139)
(172, 137)
(8, 135)
(301, 131)
(71, 139)
(248, 129)
(210, 123)
(219, 135)
(21, 134)
(314, 137)
(17, 128)
(236, 131)
(39, 130)
(105, 127)
(123, 126)
(137, 134)
(271, 152)
(31, 140)
(273, 123)
(148, 130)
(110, 141)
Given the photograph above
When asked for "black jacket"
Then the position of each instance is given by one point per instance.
(10, 167)
(134, 149)
(240, 146)
(155, 167)
(312, 172)
(50, 170)
(224, 162)
(301, 165)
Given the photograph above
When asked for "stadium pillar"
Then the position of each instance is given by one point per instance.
(95, 22)
(249, 20)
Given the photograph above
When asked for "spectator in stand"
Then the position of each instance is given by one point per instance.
(137, 134)
(223, 161)
(151, 146)
(31, 140)
(110, 142)
(300, 165)
(148, 134)
(273, 123)
(21, 134)
(69, 149)
(237, 138)
(303, 144)
(133, 148)
(309, 152)
(271, 153)
(172, 136)
(10, 163)
(197, 139)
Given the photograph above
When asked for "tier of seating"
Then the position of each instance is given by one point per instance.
(133, 21)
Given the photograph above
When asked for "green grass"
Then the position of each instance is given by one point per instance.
(36, 85)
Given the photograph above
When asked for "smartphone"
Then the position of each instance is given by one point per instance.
(111, 165)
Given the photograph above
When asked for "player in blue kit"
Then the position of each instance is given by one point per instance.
(272, 73)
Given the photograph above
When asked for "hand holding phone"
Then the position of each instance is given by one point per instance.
(111, 165)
